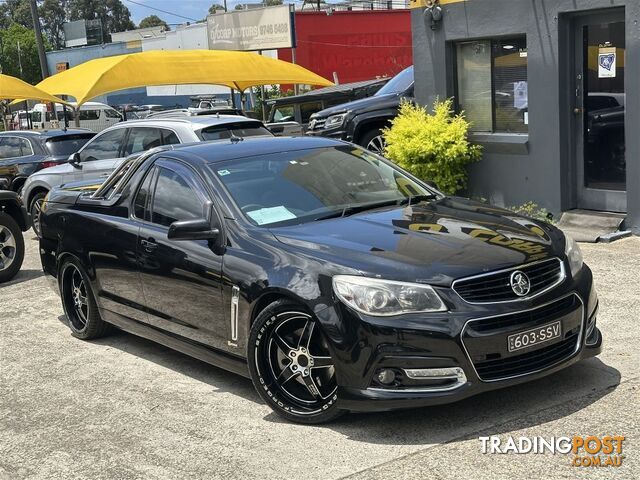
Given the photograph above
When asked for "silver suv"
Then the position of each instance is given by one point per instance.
(104, 152)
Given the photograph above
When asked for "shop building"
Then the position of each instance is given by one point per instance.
(549, 87)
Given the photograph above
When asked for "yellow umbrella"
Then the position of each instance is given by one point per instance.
(239, 70)
(12, 87)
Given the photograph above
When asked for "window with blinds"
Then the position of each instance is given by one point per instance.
(492, 84)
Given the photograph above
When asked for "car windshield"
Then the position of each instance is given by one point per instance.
(68, 144)
(398, 84)
(307, 185)
(221, 132)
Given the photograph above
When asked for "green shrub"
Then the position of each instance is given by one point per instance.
(432, 146)
(532, 210)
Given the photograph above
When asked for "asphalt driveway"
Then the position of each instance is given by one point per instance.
(124, 407)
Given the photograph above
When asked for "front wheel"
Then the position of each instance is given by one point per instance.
(291, 366)
(11, 247)
(374, 141)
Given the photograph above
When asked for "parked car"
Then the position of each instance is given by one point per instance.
(25, 152)
(195, 112)
(13, 221)
(299, 108)
(362, 121)
(332, 278)
(94, 116)
(99, 157)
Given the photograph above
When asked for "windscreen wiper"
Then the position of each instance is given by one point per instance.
(417, 198)
(351, 209)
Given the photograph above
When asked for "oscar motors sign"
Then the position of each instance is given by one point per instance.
(255, 29)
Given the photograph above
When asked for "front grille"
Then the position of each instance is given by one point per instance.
(496, 287)
(528, 362)
(317, 124)
(539, 316)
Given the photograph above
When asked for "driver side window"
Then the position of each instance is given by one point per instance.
(175, 199)
(106, 146)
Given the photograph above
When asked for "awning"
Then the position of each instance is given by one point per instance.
(12, 88)
(239, 70)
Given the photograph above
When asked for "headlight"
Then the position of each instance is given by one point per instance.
(385, 297)
(335, 120)
(574, 255)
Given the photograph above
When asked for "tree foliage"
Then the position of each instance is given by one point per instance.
(153, 21)
(114, 15)
(215, 7)
(19, 54)
(432, 146)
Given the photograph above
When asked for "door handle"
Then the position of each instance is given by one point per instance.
(578, 110)
(149, 245)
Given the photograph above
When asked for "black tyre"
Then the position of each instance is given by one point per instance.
(291, 366)
(79, 303)
(11, 247)
(35, 209)
(373, 141)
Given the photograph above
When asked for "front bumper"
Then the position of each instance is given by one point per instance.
(364, 346)
(338, 134)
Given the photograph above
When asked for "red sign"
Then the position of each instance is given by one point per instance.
(356, 45)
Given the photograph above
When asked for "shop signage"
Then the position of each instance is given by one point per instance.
(254, 29)
(606, 62)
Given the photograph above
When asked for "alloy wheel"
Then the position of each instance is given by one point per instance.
(295, 365)
(36, 211)
(8, 248)
(75, 292)
(377, 145)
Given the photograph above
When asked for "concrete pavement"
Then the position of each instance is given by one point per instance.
(124, 407)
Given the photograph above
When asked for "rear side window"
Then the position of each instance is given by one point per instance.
(67, 144)
(105, 146)
(141, 139)
(169, 137)
(175, 199)
(11, 147)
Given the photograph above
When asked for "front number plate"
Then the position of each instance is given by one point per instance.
(534, 336)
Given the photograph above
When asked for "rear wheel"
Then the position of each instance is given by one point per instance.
(79, 303)
(291, 366)
(11, 247)
(35, 210)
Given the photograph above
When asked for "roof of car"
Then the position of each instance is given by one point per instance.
(197, 122)
(213, 152)
(57, 132)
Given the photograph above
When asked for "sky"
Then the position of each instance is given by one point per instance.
(178, 9)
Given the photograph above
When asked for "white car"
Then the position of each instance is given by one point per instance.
(104, 152)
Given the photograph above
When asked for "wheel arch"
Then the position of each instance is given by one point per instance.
(273, 295)
(365, 125)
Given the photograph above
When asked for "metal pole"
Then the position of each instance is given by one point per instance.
(36, 26)
(296, 90)
(263, 103)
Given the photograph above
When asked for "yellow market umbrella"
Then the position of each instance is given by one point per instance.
(12, 88)
(239, 70)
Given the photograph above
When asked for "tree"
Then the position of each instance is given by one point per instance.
(239, 6)
(272, 3)
(15, 11)
(214, 8)
(115, 17)
(53, 16)
(19, 53)
(153, 21)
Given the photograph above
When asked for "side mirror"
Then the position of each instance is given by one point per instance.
(74, 159)
(199, 229)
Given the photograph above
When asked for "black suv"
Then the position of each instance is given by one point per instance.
(25, 152)
(361, 121)
(13, 221)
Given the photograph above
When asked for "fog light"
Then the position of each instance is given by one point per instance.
(386, 376)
